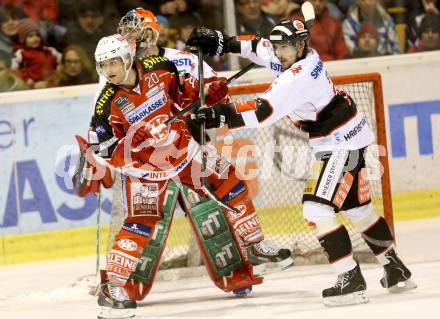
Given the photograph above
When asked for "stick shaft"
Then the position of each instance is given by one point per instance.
(196, 104)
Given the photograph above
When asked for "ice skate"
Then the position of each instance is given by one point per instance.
(114, 303)
(350, 289)
(396, 276)
(242, 292)
(266, 251)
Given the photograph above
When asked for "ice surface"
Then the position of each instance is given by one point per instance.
(45, 290)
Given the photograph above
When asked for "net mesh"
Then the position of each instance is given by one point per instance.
(276, 162)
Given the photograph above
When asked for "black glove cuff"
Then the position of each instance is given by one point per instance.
(232, 118)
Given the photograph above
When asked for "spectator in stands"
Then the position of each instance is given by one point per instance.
(37, 10)
(184, 27)
(251, 19)
(88, 28)
(75, 68)
(68, 8)
(367, 42)
(418, 11)
(279, 10)
(166, 35)
(344, 5)
(9, 81)
(10, 16)
(34, 62)
(370, 11)
(45, 12)
(326, 33)
(166, 8)
(429, 34)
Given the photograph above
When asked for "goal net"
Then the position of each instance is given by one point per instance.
(276, 162)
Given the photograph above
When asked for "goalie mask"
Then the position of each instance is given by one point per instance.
(113, 48)
(139, 25)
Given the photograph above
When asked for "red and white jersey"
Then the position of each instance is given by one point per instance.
(305, 94)
(185, 62)
(149, 104)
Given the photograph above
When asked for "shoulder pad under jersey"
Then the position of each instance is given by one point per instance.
(159, 63)
(102, 105)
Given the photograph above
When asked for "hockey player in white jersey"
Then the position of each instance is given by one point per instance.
(140, 27)
(339, 135)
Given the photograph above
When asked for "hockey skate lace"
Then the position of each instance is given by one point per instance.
(267, 247)
(117, 293)
(342, 279)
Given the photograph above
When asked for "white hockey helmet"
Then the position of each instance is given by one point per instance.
(114, 46)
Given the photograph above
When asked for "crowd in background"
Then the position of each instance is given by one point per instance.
(50, 43)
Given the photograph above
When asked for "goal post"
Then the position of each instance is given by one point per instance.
(277, 162)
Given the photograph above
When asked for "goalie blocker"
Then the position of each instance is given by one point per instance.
(90, 171)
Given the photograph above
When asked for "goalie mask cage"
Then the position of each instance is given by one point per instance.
(277, 161)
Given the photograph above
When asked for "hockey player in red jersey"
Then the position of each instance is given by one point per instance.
(140, 26)
(159, 169)
(339, 134)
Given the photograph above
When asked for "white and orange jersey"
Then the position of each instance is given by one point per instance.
(305, 94)
(187, 63)
(150, 104)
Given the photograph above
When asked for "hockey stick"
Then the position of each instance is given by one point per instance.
(205, 186)
(98, 235)
(197, 104)
(308, 13)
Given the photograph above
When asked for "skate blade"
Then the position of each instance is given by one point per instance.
(402, 286)
(259, 270)
(111, 313)
(286, 263)
(354, 298)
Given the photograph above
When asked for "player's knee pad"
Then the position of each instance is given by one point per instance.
(332, 235)
(320, 216)
(362, 217)
(373, 228)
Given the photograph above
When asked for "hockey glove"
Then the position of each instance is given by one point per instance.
(210, 41)
(217, 91)
(213, 117)
(142, 138)
(194, 129)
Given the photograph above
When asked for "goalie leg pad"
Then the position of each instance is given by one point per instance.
(135, 256)
(229, 189)
(222, 253)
